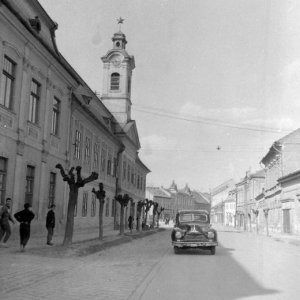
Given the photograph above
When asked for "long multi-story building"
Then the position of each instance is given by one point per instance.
(278, 205)
(49, 115)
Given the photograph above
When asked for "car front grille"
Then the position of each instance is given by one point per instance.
(195, 237)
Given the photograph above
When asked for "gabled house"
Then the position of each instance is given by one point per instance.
(279, 203)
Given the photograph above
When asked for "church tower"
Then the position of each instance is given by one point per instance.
(117, 74)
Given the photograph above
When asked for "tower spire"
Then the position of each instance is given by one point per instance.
(120, 22)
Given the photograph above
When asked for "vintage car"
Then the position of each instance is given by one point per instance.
(192, 229)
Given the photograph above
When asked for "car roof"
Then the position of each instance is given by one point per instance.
(193, 211)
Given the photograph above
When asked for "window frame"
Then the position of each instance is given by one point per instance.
(55, 117)
(34, 102)
(8, 77)
(84, 204)
(29, 187)
(3, 178)
(115, 81)
(52, 189)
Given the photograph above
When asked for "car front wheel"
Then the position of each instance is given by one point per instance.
(213, 250)
(176, 250)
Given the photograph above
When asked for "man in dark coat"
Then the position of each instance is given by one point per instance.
(50, 224)
(5, 217)
(25, 217)
(130, 221)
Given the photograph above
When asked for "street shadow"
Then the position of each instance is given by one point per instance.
(223, 277)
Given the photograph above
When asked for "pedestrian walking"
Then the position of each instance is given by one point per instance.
(50, 224)
(25, 217)
(130, 220)
(5, 217)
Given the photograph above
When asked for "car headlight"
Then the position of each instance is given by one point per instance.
(210, 235)
(178, 234)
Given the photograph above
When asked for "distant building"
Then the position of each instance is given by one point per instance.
(246, 192)
(218, 196)
(174, 199)
(230, 209)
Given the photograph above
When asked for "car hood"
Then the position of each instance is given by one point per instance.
(195, 227)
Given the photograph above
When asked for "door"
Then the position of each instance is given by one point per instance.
(286, 221)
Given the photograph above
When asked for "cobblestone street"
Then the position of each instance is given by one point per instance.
(113, 273)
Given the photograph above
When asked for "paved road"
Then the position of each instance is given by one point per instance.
(244, 267)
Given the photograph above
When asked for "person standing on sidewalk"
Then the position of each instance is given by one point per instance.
(50, 224)
(5, 217)
(130, 220)
(25, 217)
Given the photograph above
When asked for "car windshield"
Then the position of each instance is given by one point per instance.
(189, 217)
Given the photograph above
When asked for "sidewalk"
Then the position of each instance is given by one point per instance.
(287, 238)
(85, 241)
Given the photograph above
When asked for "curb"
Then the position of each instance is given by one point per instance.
(90, 246)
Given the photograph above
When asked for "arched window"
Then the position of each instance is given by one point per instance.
(114, 81)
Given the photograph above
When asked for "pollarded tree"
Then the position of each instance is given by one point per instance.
(159, 211)
(155, 207)
(139, 208)
(147, 204)
(123, 200)
(100, 194)
(75, 183)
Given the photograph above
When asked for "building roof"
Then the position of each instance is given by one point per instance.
(276, 147)
(158, 192)
(200, 198)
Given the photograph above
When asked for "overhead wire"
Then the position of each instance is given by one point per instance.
(173, 115)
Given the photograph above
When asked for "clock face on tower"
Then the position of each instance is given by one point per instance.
(116, 60)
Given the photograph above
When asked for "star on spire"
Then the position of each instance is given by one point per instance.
(120, 21)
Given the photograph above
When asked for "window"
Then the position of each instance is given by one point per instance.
(114, 81)
(109, 165)
(107, 208)
(124, 170)
(103, 159)
(96, 156)
(29, 184)
(34, 101)
(3, 174)
(129, 85)
(84, 204)
(55, 116)
(7, 82)
(93, 205)
(52, 189)
(87, 150)
(77, 151)
(114, 169)
(113, 207)
(138, 181)
(128, 173)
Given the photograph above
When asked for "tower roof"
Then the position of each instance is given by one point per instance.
(121, 38)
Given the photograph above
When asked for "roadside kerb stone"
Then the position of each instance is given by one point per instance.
(89, 246)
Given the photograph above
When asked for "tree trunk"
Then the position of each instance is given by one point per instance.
(122, 220)
(138, 221)
(101, 205)
(146, 217)
(153, 221)
(73, 195)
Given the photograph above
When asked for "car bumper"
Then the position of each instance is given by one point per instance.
(194, 244)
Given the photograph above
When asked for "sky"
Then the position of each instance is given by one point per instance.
(216, 82)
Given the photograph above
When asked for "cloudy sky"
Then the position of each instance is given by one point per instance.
(216, 81)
